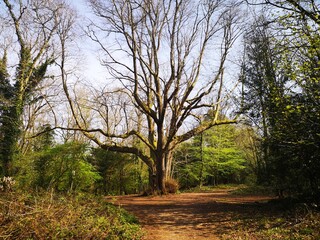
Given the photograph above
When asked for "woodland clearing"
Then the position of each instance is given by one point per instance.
(219, 214)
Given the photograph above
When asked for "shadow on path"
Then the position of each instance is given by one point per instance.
(193, 215)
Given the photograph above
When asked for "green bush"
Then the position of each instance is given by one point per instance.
(63, 167)
(120, 173)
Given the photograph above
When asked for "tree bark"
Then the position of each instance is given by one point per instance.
(164, 78)
(161, 176)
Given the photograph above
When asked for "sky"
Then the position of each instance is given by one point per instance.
(91, 67)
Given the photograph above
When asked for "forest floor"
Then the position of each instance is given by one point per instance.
(219, 214)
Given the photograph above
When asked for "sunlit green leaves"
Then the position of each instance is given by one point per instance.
(212, 158)
(63, 167)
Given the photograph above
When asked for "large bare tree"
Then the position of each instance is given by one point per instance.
(166, 61)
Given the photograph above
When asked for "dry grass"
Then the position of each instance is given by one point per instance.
(171, 185)
(49, 216)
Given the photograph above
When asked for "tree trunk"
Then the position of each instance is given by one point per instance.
(157, 175)
(152, 179)
(122, 190)
(168, 165)
(202, 161)
(161, 175)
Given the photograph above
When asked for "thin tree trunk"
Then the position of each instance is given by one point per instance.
(202, 161)
(168, 165)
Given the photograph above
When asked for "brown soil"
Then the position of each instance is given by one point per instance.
(196, 216)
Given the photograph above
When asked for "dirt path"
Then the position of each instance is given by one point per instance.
(188, 216)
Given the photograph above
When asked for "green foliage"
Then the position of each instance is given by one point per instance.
(63, 167)
(211, 159)
(264, 85)
(187, 168)
(296, 141)
(45, 140)
(295, 149)
(6, 130)
(281, 96)
(292, 225)
(5, 87)
(120, 173)
(14, 97)
(222, 153)
(253, 190)
(51, 216)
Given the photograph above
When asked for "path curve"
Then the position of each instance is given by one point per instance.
(186, 216)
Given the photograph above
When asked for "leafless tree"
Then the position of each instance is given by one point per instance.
(167, 60)
(308, 8)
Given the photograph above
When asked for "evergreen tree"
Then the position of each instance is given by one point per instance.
(263, 90)
(7, 132)
(281, 96)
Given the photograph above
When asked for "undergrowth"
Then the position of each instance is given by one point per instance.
(51, 216)
(210, 188)
(295, 222)
(253, 190)
(306, 228)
